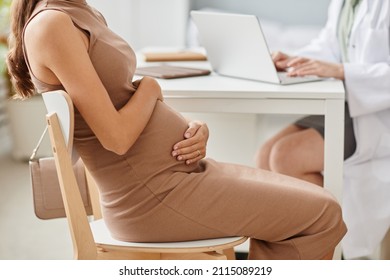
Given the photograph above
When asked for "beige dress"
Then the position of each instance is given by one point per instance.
(147, 195)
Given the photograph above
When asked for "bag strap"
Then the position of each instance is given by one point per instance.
(32, 157)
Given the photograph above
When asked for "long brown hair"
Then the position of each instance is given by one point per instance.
(21, 11)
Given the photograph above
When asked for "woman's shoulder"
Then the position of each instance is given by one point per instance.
(48, 23)
(48, 18)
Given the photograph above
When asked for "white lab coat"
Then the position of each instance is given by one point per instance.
(366, 193)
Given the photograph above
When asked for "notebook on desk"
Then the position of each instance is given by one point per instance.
(170, 72)
(236, 47)
(173, 56)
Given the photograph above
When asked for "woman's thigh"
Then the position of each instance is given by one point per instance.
(238, 200)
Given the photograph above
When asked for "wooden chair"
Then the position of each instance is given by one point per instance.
(91, 239)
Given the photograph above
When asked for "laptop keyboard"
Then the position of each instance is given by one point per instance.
(285, 79)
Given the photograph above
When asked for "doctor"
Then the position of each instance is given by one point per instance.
(353, 47)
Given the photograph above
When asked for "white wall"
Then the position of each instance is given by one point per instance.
(145, 23)
(296, 12)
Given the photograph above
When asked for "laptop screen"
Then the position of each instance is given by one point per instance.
(235, 45)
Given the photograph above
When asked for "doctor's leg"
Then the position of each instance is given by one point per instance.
(294, 151)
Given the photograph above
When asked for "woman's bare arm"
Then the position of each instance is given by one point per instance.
(65, 61)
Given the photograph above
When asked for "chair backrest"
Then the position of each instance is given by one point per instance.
(60, 120)
(60, 103)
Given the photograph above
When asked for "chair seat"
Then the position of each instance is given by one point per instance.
(102, 236)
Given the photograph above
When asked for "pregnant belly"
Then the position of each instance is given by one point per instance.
(148, 162)
(151, 153)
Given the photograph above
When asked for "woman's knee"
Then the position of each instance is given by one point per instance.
(332, 219)
(328, 229)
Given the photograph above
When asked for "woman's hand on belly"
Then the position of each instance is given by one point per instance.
(193, 147)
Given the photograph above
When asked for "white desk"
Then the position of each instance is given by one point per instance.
(218, 94)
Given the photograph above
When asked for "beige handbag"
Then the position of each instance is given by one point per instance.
(47, 196)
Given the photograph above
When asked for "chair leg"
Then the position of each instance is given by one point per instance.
(230, 254)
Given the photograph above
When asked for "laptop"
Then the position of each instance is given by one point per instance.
(236, 47)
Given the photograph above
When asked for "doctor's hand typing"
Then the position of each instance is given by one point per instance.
(301, 66)
(193, 147)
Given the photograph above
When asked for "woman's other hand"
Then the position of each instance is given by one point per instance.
(193, 147)
(301, 66)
